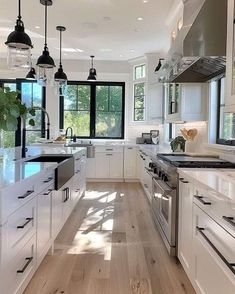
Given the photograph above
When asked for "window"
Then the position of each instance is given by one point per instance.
(140, 72)
(32, 95)
(94, 109)
(139, 102)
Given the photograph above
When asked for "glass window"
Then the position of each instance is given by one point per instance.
(139, 102)
(94, 110)
(140, 72)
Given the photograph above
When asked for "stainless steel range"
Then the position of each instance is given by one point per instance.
(165, 190)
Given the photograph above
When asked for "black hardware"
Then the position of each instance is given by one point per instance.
(183, 181)
(28, 220)
(229, 219)
(78, 171)
(48, 180)
(109, 154)
(200, 198)
(28, 193)
(109, 149)
(29, 260)
(66, 195)
(229, 265)
(48, 192)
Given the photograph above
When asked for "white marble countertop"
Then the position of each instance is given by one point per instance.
(221, 181)
(13, 169)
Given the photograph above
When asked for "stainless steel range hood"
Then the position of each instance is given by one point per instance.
(200, 56)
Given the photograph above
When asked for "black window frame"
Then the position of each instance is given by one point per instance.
(18, 132)
(93, 86)
(219, 105)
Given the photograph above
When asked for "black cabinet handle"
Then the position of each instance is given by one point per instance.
(66, 190)
(109, 149)
(77, 172)
(229, 265)
(229, 219)
(48, 180)
(182, 180)
(48, 192)
(200, 198)
(28, 220)
(28, 193)
(29, 260)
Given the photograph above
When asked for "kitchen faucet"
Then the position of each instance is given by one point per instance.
(71, 132)
(24, 149)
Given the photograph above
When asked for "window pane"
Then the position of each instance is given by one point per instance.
(139, 102)
(12, 86)
(139, 89)
(79, 121)
(108, 124)
(37, 95)
(7, 139)
(227, 125)
(139, 114)
(32, 136)
(140, 72)
(83, 97)
(102, 98)
(37, 119)
(26, 94)
(70, 97)
(115, 103)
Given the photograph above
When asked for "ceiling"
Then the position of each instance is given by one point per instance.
(109, 29)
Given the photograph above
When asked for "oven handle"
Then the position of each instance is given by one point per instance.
(164, 190)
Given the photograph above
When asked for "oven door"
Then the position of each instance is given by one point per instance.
(164, 208)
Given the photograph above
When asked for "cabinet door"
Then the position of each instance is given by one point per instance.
(57, 212)
(185, 230)
(116, 165)
(211, 273)
(130, 163)
(44, 221)
(102, 165)
(230, 59)
(91, 168)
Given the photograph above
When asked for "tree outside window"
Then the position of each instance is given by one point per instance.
(139, 102)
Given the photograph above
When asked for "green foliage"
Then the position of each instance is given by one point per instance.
(178, 141)
(10, 109)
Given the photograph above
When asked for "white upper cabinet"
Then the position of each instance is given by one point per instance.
(230, 64)
(186, 102)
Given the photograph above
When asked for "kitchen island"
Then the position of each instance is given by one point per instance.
(33, 209)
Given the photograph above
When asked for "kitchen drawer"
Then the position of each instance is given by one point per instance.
(45, 180)
(107, 148)
(216, 206)
(20, 268)
(213, 256)
(16, 196)
(21, 226)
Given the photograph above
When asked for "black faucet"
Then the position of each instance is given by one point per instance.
(71, 132)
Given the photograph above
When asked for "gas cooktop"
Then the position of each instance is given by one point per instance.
(184, 160)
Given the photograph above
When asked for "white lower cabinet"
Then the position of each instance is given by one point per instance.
(130, 161)
(90, 168)
(57, 213)
(44, 219)
(185, 232)
(116, 165)
(102, 165)
(213, 248)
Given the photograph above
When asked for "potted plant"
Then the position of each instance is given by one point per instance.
(11, 108)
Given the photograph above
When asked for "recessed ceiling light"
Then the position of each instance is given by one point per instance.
(132, 50)
(140, 18)
(121, 55)
(79, 50)
(145, 1)
(37, 27)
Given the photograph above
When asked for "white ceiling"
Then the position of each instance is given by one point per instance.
(109, 29)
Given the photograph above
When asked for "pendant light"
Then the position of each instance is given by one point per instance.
(92, 71)
(159, 65)
(19, 45)
(60, 77)
(45, 63)
(31, 75)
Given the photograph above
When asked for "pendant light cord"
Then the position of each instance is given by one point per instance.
(60, 45)
(45, 45)
(19, 7)
(92, 62)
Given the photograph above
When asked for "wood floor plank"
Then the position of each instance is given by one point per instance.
(110, 245)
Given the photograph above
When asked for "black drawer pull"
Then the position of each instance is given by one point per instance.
(28, 220)
(200, 198)
(229, 265)
(109, 154)
(29, 260)
(28, 193)
(130, 148)
(77, 172)
(229, 219)
(48, 192)
(109, 149)
(48, 180)
(66, 190)
(182, 180)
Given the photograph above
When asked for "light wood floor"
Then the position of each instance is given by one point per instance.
(110, 245)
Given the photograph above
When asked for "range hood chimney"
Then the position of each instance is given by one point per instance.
(201, 57)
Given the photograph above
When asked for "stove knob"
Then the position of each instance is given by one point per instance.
(159, 173)
(155, 171)
(165, 179)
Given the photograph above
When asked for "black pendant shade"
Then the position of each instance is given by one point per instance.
(19, 45)
(45, 60)
(60, 76)
(92, 71)
(31, 74)
(159, 65)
